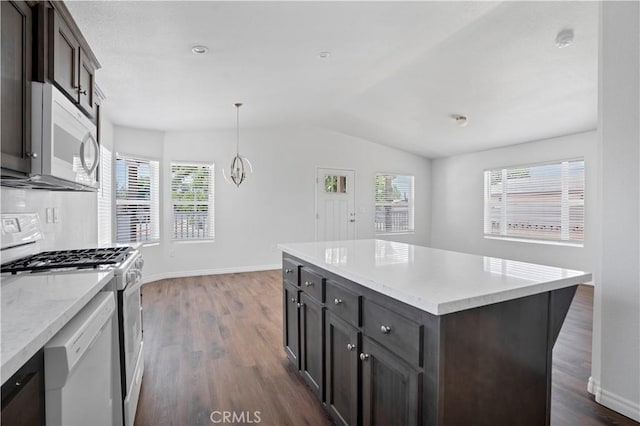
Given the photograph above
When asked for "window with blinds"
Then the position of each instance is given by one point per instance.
(105, 230)
(192, 201)
(394, 203)
(137, 200)
(540, 201)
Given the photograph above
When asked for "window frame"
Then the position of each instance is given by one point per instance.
(411, 205)
(106, 197)
(210, 203)
(154, 205)
(534, 239)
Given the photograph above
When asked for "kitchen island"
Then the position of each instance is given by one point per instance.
(392, 333)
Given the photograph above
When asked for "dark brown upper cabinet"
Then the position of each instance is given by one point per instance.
(71, 65)
(15, 109)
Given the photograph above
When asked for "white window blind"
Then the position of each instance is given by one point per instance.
(105, 232)
(543, 201)
(192, 201)
(394, 203)
(137, 200)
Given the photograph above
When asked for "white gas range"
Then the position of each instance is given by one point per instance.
(21, 255)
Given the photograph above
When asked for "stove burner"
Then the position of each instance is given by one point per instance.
(81, 258)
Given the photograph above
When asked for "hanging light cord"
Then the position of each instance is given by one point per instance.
(238, 105)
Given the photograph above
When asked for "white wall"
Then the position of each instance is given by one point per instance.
(615, 375)
(277, 203)
(458, 201)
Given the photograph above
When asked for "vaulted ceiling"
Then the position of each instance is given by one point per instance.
(397, 72)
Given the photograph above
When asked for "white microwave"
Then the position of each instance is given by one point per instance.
(64, 148)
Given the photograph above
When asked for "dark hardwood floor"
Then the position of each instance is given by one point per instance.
(214, 344)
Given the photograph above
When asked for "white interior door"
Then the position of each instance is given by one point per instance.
(335, 205)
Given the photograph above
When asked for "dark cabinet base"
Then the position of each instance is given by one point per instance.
(342, 376)
(484, 366)
(23, 395)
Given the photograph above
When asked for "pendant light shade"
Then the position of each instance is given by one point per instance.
(240, 166)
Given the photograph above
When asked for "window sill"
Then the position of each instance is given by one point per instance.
(199, 241)
(534, 241)
(383, 234)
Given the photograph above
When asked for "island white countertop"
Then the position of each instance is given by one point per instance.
(434, 280)
(36, 306)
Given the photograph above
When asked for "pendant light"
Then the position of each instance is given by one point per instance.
(240, 166)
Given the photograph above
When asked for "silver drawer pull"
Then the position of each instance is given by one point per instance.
(288, 271)
(337, 301)
(384, 329)
(350, 346)
(308, 283)
(364, 357)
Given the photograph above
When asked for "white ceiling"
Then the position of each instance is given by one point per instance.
(397, 73)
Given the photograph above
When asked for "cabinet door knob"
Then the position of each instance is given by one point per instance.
(364, 357)
(288, 271)
(350, 346)
(80, 91)
(300, 305)
(293, 299)
(337, 301)
(32, 154)
(385, 329)
(308, 283)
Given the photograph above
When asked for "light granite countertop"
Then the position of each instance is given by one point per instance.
(36, 306)
(434, 280)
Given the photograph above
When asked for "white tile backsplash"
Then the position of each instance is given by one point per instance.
(74, 215)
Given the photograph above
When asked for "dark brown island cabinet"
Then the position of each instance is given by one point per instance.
(372, 359)
(40, 42)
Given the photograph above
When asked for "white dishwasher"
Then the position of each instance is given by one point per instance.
(77, 360)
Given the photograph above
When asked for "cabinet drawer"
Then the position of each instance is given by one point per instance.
(291, 271)
(343, 303)
(399, 334)
(312, 283)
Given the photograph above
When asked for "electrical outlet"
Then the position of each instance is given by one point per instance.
(49, 215)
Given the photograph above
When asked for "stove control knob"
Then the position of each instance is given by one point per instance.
(139, 263)
(132, 277)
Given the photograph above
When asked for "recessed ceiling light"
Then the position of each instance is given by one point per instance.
(461, 120)
(564, 38)
(199, 50)
(324, 55)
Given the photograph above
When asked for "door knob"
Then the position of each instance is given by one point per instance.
(350, 346)
(364, 357)
(385, 329)
(337, 301)
(288, 271)
(293, 299)
(308, 283)
(300, 305)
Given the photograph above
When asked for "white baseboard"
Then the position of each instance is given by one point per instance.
(615, 402)
(593, 387)
(218, 271)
